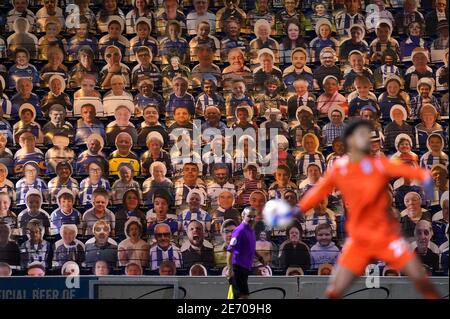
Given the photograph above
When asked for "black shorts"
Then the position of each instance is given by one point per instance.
(240, 281)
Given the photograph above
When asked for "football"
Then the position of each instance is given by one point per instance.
(277, 213)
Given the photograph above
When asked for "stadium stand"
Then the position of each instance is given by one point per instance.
(121, 121)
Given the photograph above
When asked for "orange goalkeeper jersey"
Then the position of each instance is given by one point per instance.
(364, 188)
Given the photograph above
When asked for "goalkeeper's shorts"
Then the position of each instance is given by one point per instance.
(395, 252)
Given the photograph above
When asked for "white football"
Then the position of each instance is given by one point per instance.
(277, 213)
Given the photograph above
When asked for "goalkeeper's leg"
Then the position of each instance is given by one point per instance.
(341, 279)
(414, 270)
(351, 263)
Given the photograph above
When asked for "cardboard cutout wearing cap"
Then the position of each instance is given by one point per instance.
(355, 52)
(279, 139)
(158, 164)
(248, 165)
(426, 81)
(123, 165)
(398, 107)
(433, 135)
(4, 168)
(325, 269)
(329, 77)
(266, 51)
(110, 104)
(53, 20)
(212, 107)
(334, 109)
(420, 50)
(291, 270)
(400, 137)
(65, 164)
(154, 135)
(261, 22)
(370, 108)
(97, 137)
(300, 49)
(144, 20)
(28, 106)
(149, 51)
(248, 108)
(271, 111)
(117, 19)
(146, 81)
(327, 50)
(393, 78)
(320, 22)
(302, 108)
(428, 107)
(63, 191)
(199, 192)
(361, 27)
(384, 21)
(23, 79)
(31, 192)
(61, 80)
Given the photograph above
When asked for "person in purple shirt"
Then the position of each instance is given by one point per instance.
(240, 254)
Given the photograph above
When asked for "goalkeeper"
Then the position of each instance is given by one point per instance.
(373, 232)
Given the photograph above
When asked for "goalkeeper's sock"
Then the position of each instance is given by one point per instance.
(426, 288)
(332, 294)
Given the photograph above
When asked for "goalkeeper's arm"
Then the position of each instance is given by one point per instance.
(394, 169)
(321, 190)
